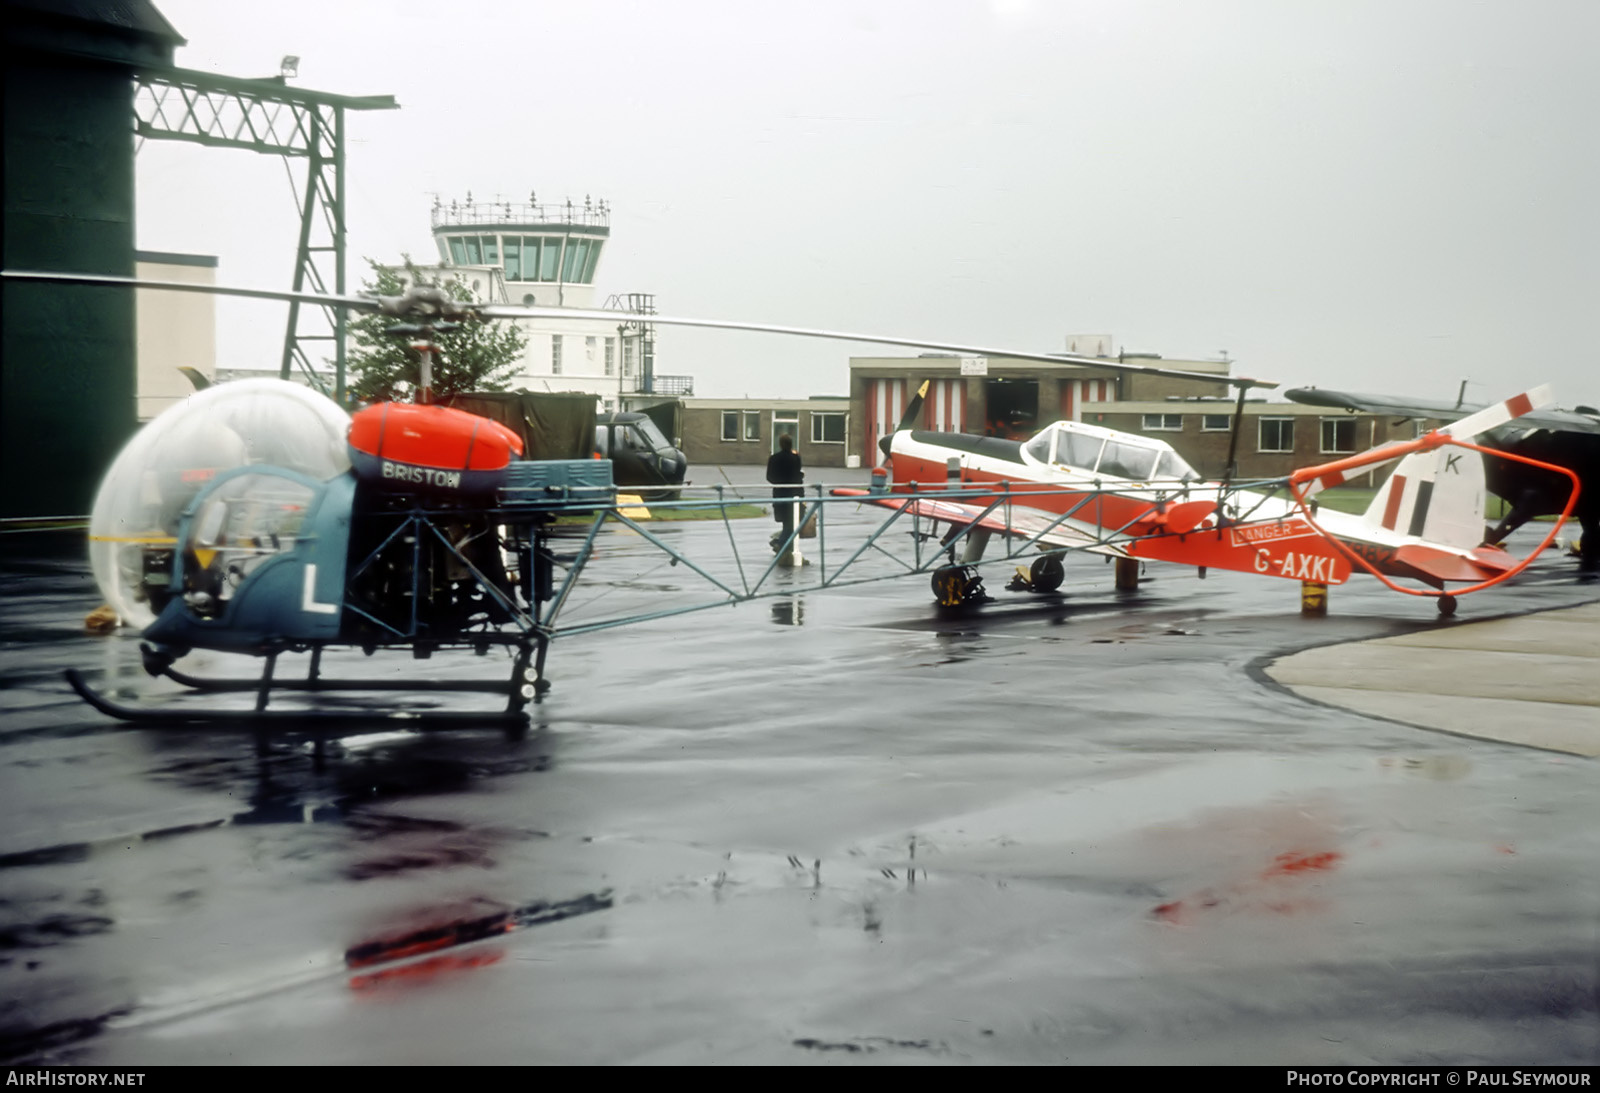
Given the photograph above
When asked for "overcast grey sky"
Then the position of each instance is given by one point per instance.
(1390, 196)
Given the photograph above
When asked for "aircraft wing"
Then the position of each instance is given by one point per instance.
(1014, 521)
(1554, 420)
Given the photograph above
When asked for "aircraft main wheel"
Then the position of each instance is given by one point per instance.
(1047, 573)
(949, 585)
(958, 586)
(1447, 606)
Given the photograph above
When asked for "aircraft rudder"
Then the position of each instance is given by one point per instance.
(1435, 495)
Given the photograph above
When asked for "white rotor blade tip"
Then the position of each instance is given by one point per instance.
(1492, 417)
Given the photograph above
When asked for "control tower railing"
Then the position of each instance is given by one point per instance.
(470, 213)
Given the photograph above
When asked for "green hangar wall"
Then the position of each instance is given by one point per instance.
(67, 368)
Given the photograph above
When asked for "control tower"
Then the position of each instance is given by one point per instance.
(546, 255)
(549, 252)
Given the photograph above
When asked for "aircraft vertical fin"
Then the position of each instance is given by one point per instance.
(1419, 511)
(1437, 496)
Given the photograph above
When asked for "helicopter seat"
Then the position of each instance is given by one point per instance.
(415, 448)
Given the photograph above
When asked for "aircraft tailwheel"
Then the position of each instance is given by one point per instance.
(1047, 573)
(1447, 606)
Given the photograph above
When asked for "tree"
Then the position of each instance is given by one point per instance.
(476, 356)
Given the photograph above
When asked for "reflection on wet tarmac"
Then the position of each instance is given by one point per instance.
(789, 610)
(1437, 768)
(979, 840)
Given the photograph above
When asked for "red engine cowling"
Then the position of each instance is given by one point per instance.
(406, 447)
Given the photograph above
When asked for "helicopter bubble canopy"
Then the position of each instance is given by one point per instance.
(134, 527)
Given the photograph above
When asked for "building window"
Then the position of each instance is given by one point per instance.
(627, 357)
(577, 254)
(611, 356)
(1163, 423)
(1338, 435)
(1216, 423)
(827, 428)
(513, 258)
(549, 259)
(783, 423)
(555, 354)
(752, 424)
(530, 258)
(1277, 434)
(730, 425)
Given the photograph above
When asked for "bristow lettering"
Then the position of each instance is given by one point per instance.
(425, 475)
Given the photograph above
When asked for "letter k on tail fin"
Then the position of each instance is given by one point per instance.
(1436, 495)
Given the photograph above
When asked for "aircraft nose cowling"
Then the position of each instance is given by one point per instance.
(885, 443)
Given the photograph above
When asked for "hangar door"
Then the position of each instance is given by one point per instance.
(944, 409)
(1077, 394)
(886, 401)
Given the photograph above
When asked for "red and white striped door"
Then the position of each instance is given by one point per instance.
(1076, 395)
(886, 402)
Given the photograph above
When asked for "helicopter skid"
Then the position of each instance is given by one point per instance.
(395, 718)
(525, 683)
(482, 686)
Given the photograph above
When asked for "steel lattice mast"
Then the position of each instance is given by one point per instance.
(270, 117)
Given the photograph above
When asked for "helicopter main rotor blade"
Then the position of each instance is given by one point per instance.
(513, 311)
(362, 303)
(425, 302)
(429, 301)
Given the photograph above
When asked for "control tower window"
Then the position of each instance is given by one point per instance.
(474, 252)
(550, 260)
(594, 256)
(577, 254)
(513, 258)
(458, 251)
(530, 258)
(491, 249)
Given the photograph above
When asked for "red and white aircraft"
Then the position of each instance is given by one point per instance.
(1075, 486)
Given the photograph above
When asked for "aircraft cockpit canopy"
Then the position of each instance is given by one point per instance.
(1090, 449)
(142, 500)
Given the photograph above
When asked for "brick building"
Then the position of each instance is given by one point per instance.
(734, 431)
